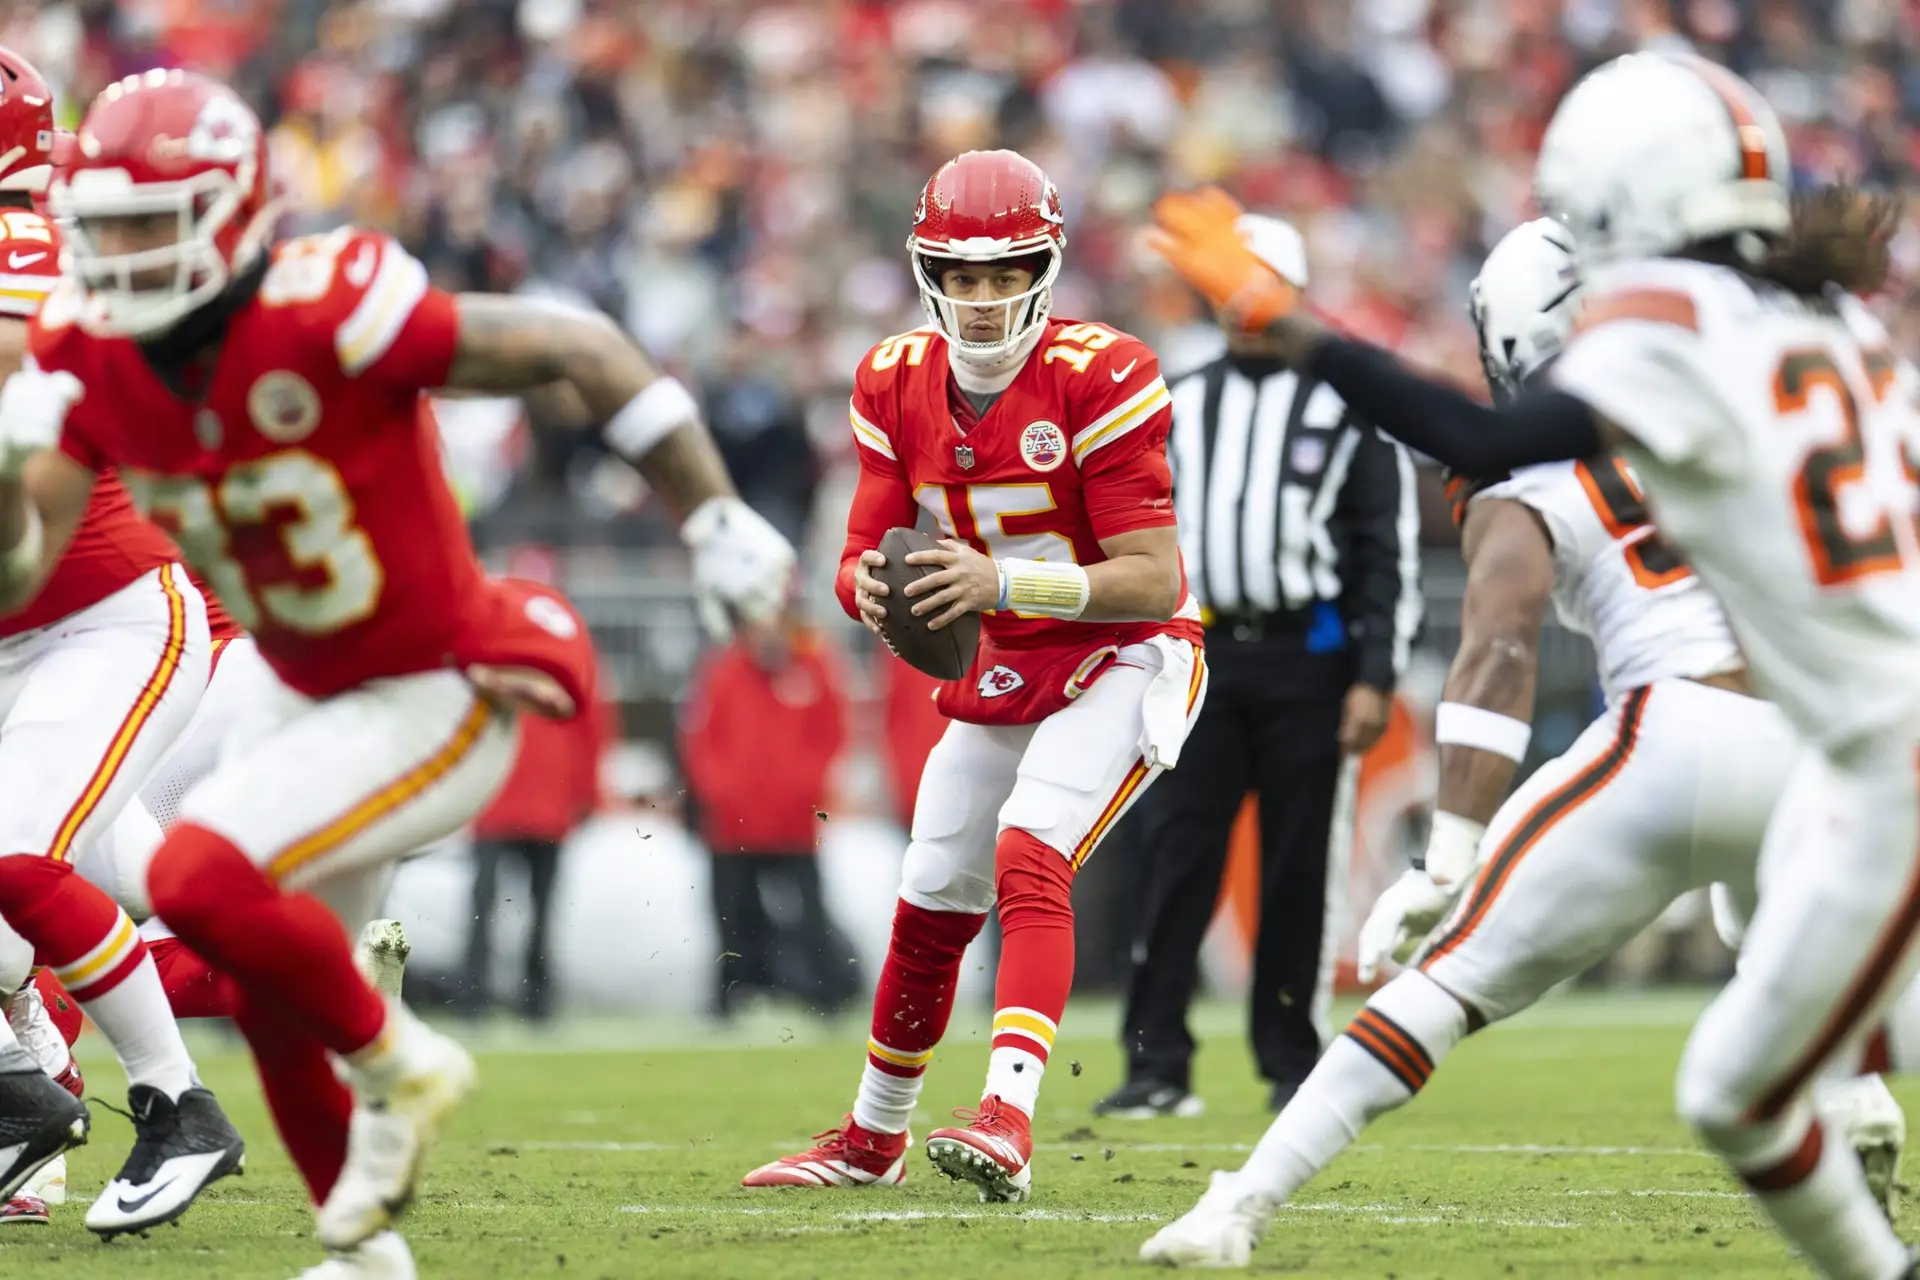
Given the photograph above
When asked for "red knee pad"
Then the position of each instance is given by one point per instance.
(197, 875)
(1034, 881)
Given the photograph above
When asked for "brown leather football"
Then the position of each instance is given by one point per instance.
(946, 654)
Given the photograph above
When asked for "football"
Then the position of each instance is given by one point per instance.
(946, 654)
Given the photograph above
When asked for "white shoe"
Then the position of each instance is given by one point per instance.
(401, 1101)
(1220, 1231)
(382, 956)
(50, 1184)
(384, 1257)
(1863, 1111)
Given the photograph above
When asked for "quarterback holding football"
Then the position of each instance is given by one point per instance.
(1035, 448)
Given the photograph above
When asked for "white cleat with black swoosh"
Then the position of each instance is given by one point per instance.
(179, 1148)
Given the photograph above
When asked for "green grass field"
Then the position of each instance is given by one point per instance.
(1543, 1148)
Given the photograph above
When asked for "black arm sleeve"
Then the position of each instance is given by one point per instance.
(1472, 438)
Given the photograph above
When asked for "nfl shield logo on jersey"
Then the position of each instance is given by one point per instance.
(1309, 455)
(1043, 445)
(284, 406)
(963, 455)
(998, 681)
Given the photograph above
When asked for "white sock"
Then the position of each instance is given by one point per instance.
(136, 1019)
(8, 1040)
(885, 1102)
(1831, 1217)
(1014, 1074)
(1376, 1065)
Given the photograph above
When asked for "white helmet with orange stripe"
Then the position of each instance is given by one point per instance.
(1653, 153)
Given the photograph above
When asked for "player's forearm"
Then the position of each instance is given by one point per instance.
(1495, 675)
(1472, 438)
(22, 545)
(1132, 588)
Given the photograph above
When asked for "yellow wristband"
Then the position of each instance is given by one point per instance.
(1042, 587)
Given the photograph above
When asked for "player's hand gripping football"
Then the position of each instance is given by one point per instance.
(1196, 233)
(964, 582)
(741, 564)
(868, 589)
(33, 409)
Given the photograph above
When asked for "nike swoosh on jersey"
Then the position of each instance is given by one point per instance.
(18, 260)
(1120, 375)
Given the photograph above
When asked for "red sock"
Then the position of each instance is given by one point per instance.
(61, 1007)
(1035, 883)
(915, 999)
(910, 1011)
(67, 920)
(284, 949)
(310, 1105)
(193, 987)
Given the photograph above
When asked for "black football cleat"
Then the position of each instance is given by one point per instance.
(38, 1120)
(178, 1149)
(1143, 1099)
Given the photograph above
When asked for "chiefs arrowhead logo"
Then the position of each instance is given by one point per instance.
(999, 681)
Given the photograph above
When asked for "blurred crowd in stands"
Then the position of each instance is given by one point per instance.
(733, 178)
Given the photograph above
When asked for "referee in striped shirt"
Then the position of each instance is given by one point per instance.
(1299, 527)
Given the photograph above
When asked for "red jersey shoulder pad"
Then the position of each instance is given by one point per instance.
(1113, 382)
(876, 382)
(29, 262)
(359, 286)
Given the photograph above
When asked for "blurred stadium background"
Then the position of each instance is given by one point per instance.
(732, 180)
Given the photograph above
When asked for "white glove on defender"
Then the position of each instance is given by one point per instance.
(1401, 920)
(33, 409)
(1419, 900)
(740, 563)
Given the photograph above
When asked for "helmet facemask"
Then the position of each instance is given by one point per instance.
(1024, 313)
(142, 293)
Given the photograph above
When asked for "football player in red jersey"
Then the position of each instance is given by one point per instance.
(1037, 446)
(265, 403)
(99, 675)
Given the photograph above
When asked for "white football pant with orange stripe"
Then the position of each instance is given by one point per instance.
(326, 795)
(1829, 947)
(90, 706)
(1065, 781)
(1670, 789)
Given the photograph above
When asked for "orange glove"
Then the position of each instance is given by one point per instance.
(1197, 235)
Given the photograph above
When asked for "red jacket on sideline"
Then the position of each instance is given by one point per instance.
(912, 725)
(758, 744)
(555, 783)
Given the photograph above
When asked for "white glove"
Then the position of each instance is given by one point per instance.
(1401, 920)
(33, 410)
(740, 563)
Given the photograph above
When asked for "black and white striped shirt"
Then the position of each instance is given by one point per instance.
(1285, 500)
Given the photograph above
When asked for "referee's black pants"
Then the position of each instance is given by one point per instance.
(1283, 744)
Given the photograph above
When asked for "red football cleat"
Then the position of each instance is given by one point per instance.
(845, 1157)
(994, 1152)
(25, 1210)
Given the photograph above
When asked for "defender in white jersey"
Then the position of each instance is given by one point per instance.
(1771, 427)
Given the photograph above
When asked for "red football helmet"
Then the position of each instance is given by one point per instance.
(159, 143)
(26, 126)
(985, 206)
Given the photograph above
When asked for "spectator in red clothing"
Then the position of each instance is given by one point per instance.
(554, 787)
(758, 738)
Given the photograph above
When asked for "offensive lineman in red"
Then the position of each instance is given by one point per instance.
(264, 402)
(1038, 447)
(100, 674)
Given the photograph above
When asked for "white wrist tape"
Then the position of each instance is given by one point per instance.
(1453, 848)
(660, 408)
(1457, 724)
(1043, 587)
(23, 561)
